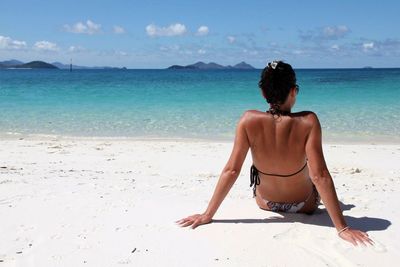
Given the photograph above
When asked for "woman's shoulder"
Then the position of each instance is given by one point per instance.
(252, 116)
(306, 113)
(249, 117)
(251, 113)
(309, 117)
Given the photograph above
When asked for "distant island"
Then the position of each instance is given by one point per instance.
(212, 66)
(77, 67)
(16, 64)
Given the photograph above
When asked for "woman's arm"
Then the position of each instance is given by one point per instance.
(227, 178)
(322, 180)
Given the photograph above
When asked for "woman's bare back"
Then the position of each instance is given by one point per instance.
(277, 146)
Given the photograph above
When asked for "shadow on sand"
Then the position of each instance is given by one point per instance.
(320, 217)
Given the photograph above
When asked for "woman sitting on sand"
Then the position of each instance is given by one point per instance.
(289, 173)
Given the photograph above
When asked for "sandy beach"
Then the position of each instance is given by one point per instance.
(112, 202)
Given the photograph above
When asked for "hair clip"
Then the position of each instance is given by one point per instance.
(273, 64)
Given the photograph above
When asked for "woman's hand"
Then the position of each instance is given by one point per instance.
(355, 237)
(195, 220)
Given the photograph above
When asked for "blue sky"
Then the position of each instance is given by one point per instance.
(156, 34)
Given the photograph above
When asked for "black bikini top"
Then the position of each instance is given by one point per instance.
(255, 177)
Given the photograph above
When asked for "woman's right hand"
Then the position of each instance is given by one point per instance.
(195, 220)
(356, 237)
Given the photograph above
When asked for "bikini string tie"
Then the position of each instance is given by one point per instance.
(254, 179)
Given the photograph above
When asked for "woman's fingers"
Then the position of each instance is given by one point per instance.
(179, 221)
(194, 220)
(190, 222)
(364, 238)
(354, 241)
(357, 237)
(349, 236)
(196, 223)
(182, 221)
(187, 221)
(361, 241)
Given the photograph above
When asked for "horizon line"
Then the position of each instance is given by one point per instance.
(162, 68)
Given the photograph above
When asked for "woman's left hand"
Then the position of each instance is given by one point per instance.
(195, 220)
(356, 237)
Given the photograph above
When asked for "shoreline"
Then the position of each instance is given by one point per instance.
(48, 137)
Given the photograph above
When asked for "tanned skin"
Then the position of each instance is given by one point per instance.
(281, 145)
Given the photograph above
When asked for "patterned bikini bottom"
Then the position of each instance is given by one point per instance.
(292, 207)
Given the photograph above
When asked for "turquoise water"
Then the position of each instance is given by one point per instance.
(353, 104)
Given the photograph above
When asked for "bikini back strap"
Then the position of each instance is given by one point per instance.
(285, 175)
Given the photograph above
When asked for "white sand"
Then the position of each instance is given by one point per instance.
(114, 202)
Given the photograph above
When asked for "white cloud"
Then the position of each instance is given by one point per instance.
(201, 51)
(172, 30)
(368, 46)
(186, 52)
(121, 53)
(335, 47)
(46, 46)
(89, 28)
(325, 34)
(335, 32)
(298, 52)
(76, 49)
(231, 39)
(202, 30)
(8, 43)
(118, 30)
(170, 48)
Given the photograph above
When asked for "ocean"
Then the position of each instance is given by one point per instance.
(354, 105)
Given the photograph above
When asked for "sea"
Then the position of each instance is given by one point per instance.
(353, 105)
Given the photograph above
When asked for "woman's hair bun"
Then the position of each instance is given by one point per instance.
(277, 79)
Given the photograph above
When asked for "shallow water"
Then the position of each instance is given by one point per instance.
(352, 104)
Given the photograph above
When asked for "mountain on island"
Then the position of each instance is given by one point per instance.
(16, 64)
(243, 66)
(11, 62)
(37, 65)
(30, 65)
(212, 66)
